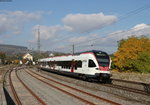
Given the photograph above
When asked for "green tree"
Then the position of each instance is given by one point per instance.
(142, 64)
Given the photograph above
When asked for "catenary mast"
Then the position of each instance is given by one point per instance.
(38, 41)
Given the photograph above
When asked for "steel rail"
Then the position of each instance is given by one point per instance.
(49, 84)
(33, 94)
(145, 85)
(127, 89)
(81, 91)
(13, 90)
(139, 83)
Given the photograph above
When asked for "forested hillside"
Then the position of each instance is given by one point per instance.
(12, 49)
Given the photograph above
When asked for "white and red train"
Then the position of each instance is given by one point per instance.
(86, 65)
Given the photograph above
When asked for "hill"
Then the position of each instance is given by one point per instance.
(12, 49)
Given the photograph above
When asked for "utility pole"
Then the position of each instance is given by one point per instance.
(38, 41)
(73, 49)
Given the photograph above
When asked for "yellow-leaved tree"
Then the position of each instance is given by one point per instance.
(131, 52)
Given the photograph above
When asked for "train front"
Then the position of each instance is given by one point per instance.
(104, 63)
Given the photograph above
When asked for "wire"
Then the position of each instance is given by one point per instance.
(131, 13)
(135, 12)
(124, 17)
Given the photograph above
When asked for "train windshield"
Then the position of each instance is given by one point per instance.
(102, 58)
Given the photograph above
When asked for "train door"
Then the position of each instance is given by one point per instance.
(72, 65)
(91, 66)
(84, 66)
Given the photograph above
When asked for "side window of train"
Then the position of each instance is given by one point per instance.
(91, 63)
(79, 64)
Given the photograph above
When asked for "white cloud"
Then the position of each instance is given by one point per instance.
(46, 32)
(140, 26)
(74, 23)
(83, 43)
(13, 21)
(81, 39)
(109, 43)
(24, 16)
(137, 30)
(111, 40)
(87, 22)
(1, 41)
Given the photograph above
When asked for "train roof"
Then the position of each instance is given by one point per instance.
(76, 54)
(94, 51)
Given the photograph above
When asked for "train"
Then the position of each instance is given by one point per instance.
(86, 65)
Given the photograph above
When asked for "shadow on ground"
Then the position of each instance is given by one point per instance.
(9, 100)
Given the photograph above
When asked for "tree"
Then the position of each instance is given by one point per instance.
(130, 52)
(2, 57)
(37, 55)
(142, 64)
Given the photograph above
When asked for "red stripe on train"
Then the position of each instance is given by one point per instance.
(104, 68)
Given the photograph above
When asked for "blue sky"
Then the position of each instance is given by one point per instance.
(89, 24)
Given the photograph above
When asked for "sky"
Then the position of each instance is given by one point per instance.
(86, 24)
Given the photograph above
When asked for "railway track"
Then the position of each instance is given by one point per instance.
(144, 90)
(145, 86)
(67, 87)
(83, 96)
(128, 89)
(17, 97)
(124, 91)
(13, 90)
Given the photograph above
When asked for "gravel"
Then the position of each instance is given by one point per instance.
(123, 97)
(53, 96)
(50, 95)
(100, 90)
(22, 92)
(138, 77)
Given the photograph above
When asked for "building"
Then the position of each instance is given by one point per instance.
(28, 57)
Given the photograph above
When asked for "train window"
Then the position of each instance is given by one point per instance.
(75, 67)
(43, 63)
(91, 63)
(78, 64)
(64, 64)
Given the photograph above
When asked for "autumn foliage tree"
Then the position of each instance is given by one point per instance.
(133, 54)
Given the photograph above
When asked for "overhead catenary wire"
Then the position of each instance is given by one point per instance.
(134, 12)
(123, 17)
(77, 45)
